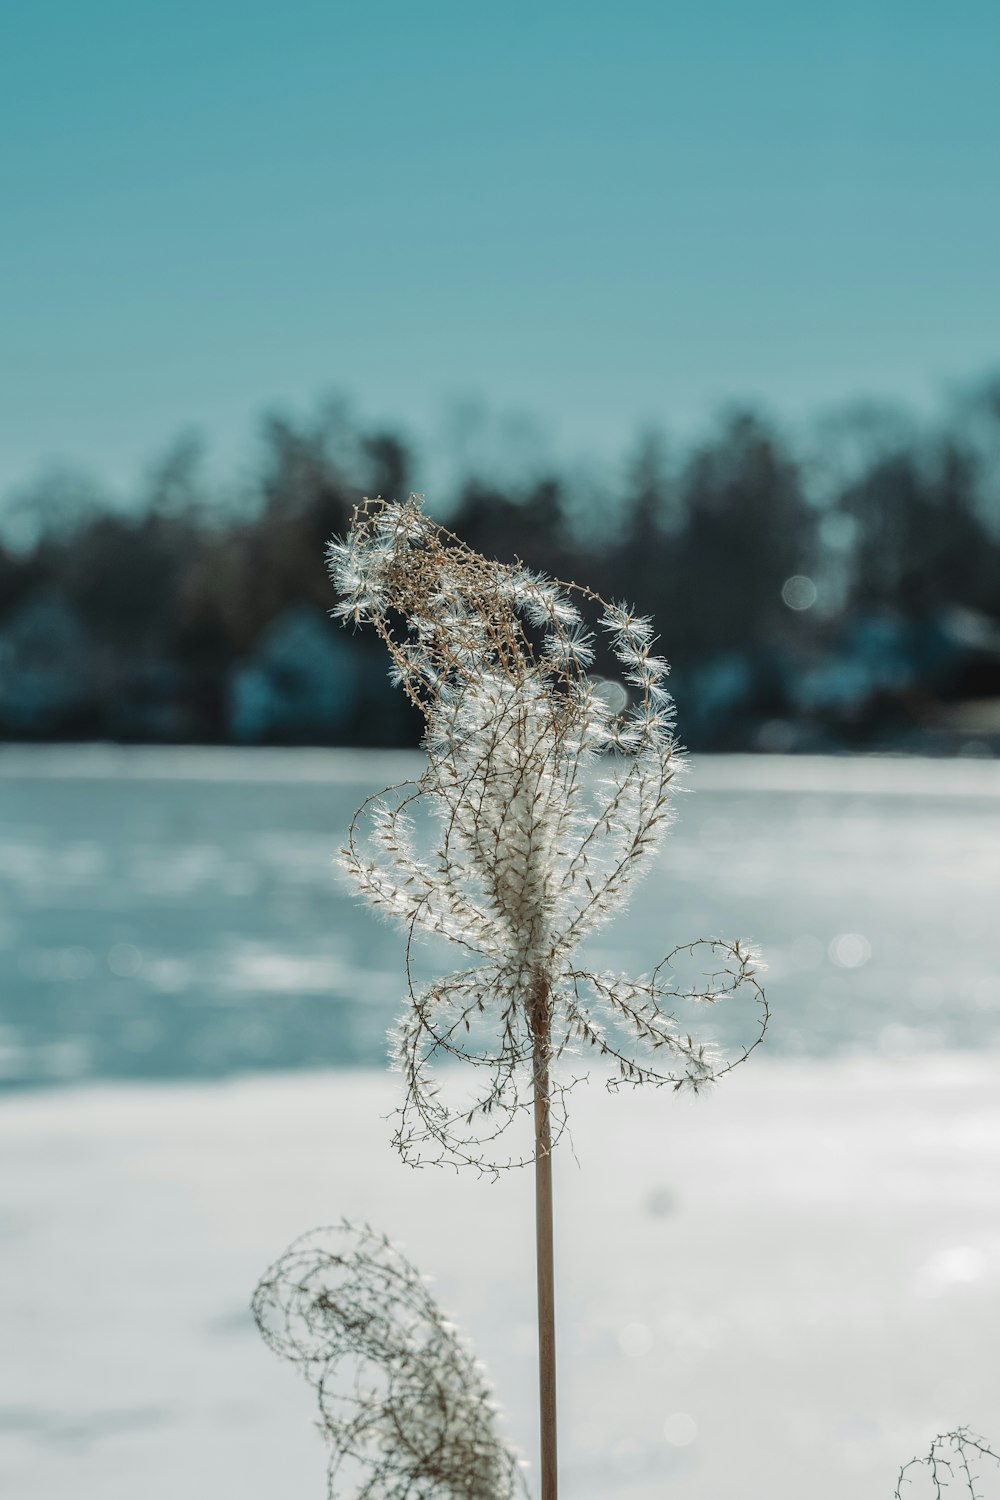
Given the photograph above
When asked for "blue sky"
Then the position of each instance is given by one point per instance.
(601, 215)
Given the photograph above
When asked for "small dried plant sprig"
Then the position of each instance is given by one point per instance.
(404, 1404)
(549, 804)
(950, 1465)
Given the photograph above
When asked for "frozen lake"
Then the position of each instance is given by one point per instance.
(176, 914)
(781, 1290)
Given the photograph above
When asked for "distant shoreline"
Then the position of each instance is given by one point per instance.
(877, 774)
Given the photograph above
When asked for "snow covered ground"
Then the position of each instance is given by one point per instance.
(779, 1291)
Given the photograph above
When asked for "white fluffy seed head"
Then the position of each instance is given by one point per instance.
(534, 849)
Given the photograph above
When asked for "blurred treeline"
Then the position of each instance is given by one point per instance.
(841, 588)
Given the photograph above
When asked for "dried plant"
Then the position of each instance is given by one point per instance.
(549, 806)
(951, 1463)
(404, 1405)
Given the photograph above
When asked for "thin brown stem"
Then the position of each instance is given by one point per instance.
(541, 1022)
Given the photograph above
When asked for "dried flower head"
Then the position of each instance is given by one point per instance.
(405, 1406)
(548, 805)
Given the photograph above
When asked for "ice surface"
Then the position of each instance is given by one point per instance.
(175, 913)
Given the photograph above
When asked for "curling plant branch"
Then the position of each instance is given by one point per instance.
(403, 1403)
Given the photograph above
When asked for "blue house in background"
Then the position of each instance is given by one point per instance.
(302, 682)
(47, 667)
(875, 656)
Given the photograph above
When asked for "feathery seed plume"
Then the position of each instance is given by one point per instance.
(548, 805)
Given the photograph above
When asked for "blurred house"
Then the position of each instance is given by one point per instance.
(301, 684)
(149, 700)
(714, 697)
(873, 656)
(47, 667)
(934, 676)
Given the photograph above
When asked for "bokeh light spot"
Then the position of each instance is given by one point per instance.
(799, 592)
(125, 960)
(850, 950)
(614, 695)
(680, 1429)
